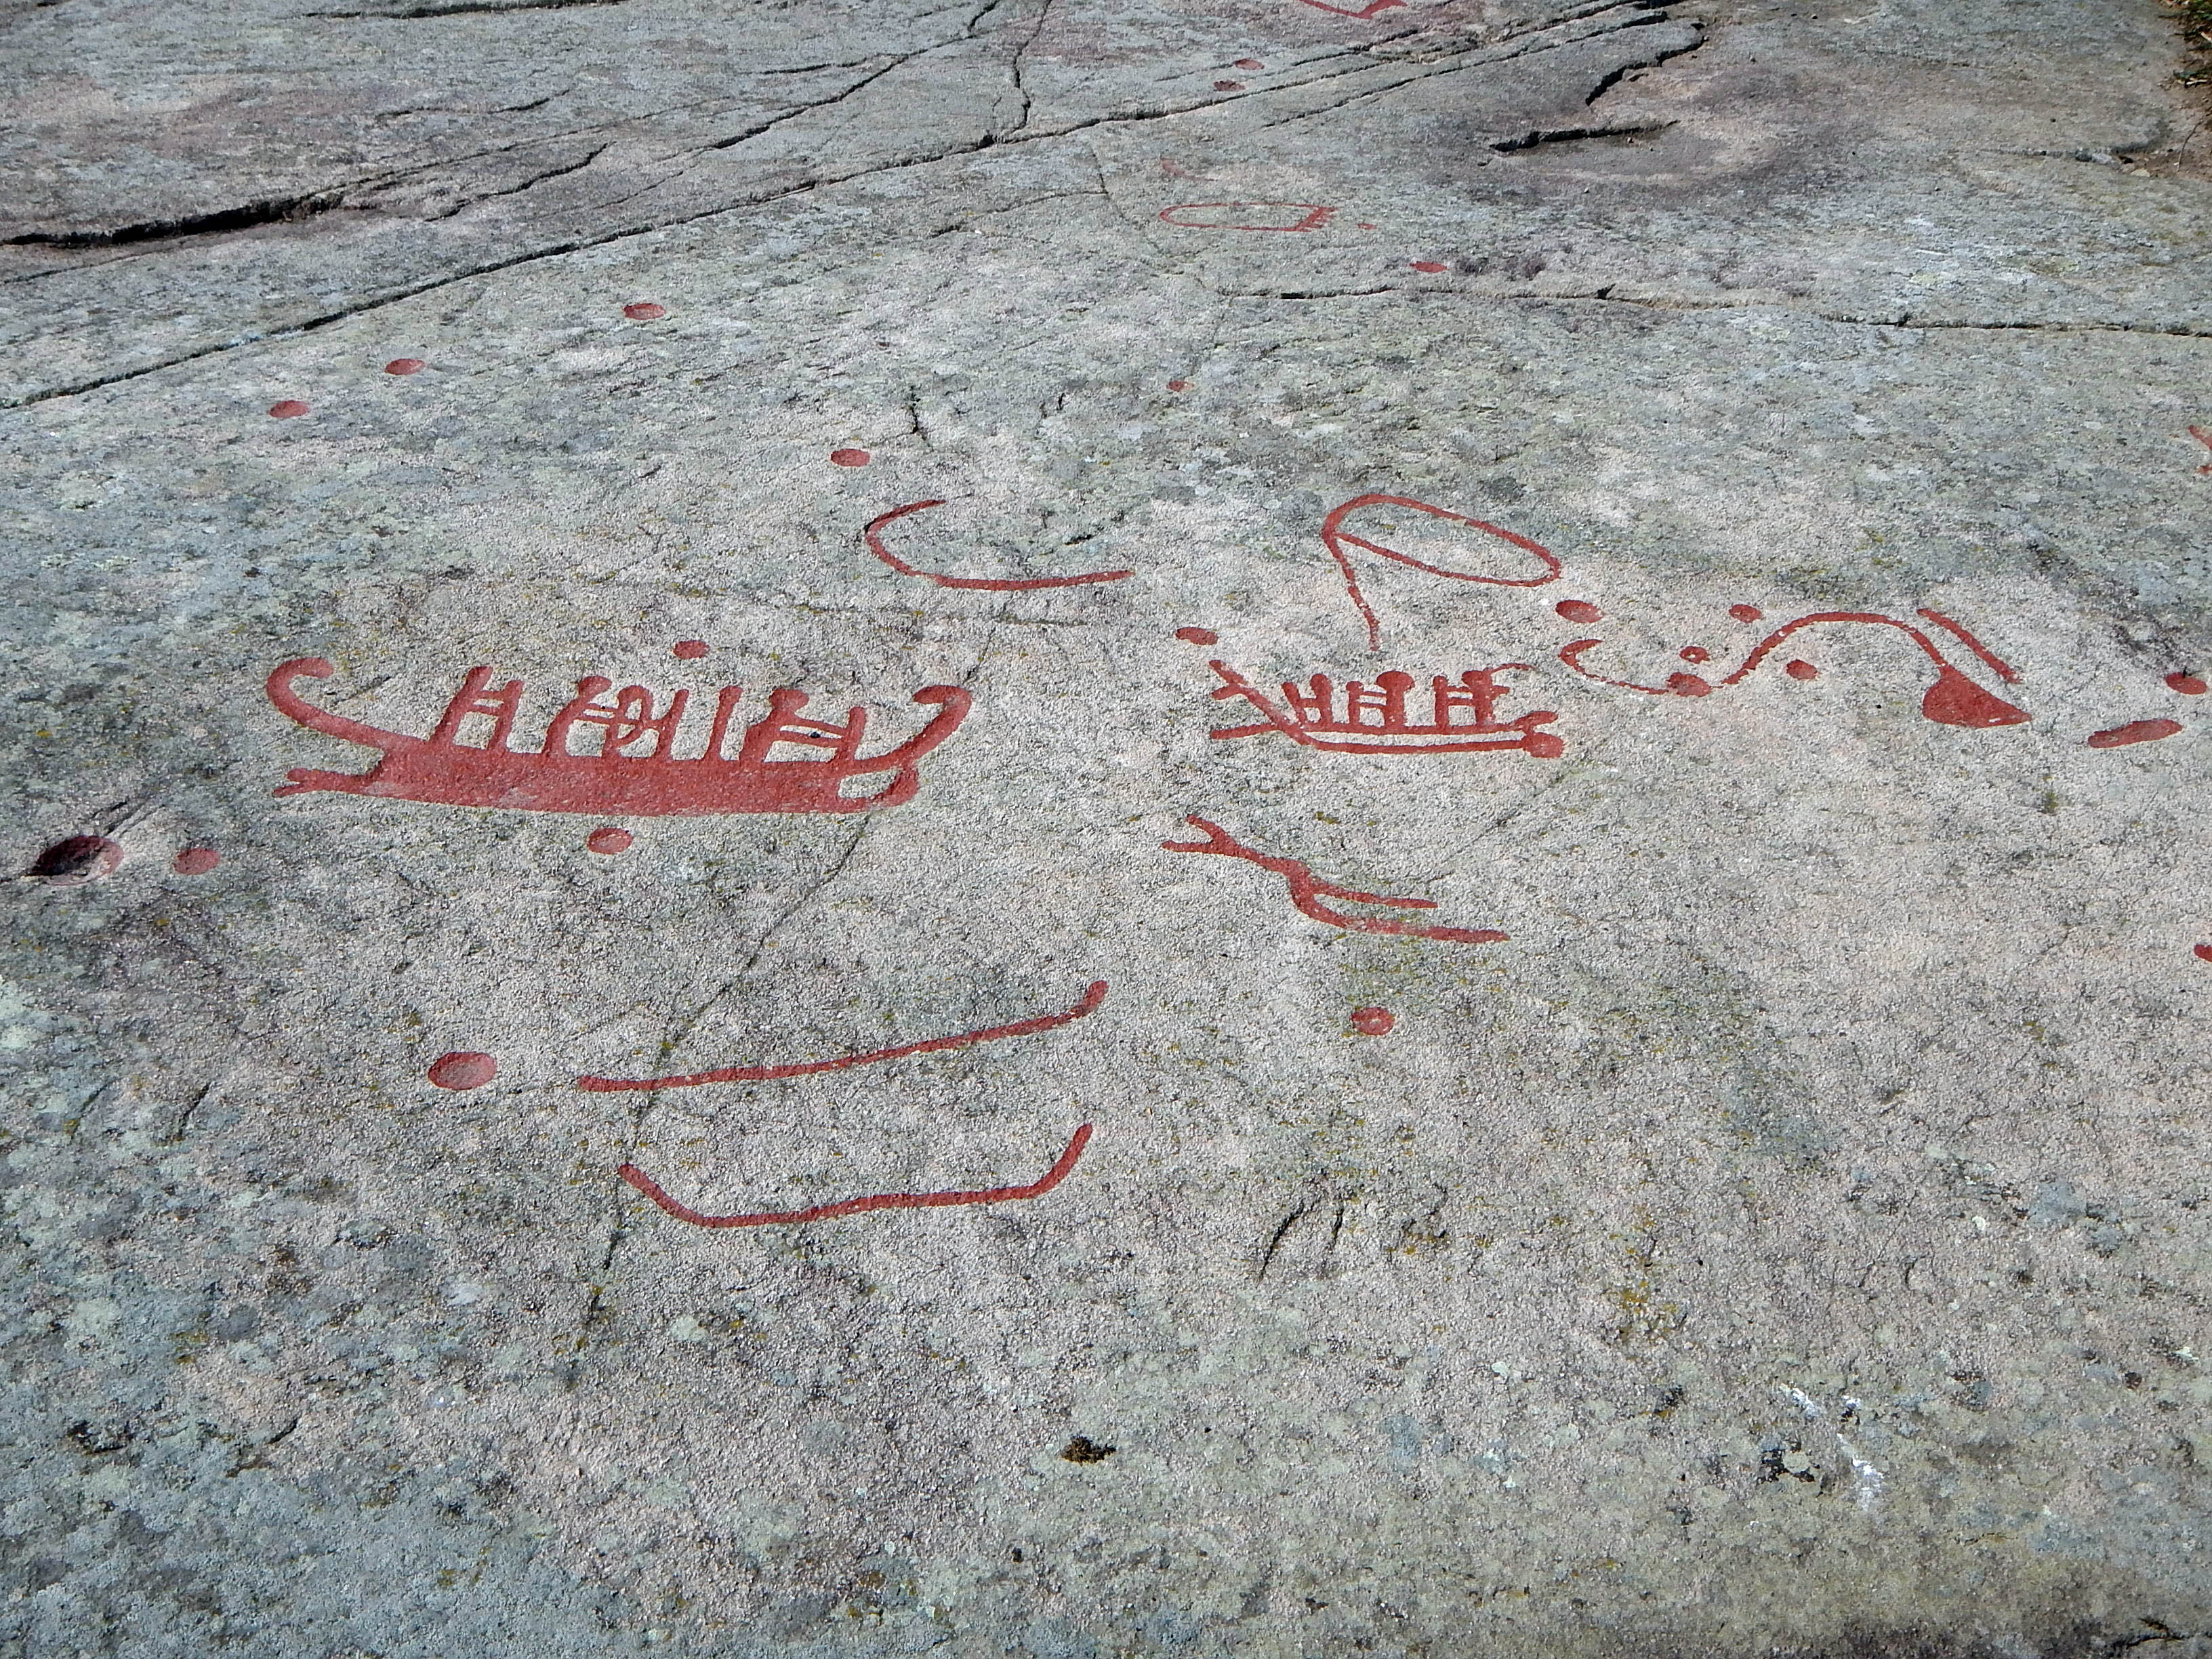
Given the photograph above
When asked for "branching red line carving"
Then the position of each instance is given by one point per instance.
(993, 584)
(1334, 536)
(1095, 995)
(2005, 670)
(1307, 891)
(1052, 1178)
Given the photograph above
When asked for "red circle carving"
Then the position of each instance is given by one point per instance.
(1372, 1022)
(462, 1070)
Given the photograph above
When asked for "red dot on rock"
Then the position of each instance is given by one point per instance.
(196, 861)
(1249, 64)
(850, 457)
(1431, 266)
(2204, 951)
(287, 410)
(2190, 685)
(1198, 636)
(1688, 685)
(689, 650)
(77, 860)
(462, 1071)
(609, 839)
(1798, 669)
(645, 311)
(1746, 613)
(1578, 611)
(405, 366)
(1229, 85)
(1178, 385)
(1372, 1022)
(1694, 654)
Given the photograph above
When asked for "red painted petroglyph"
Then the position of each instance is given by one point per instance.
(462, 1071)
(1301, 215)
(1694, 654)
(1578, 611)
(80, 858)
(1052, 1178)
(1094, 995)
(1373, 8)
(645, 311)
(1953, 700)
(1229, 85)
(2003, 670)
(992, 584)
(688, 650)
(1798, 669)
(405, 366)
(196, 861)
(850, 457)
(2190, 685)
(1374, 720)
(611, 778)
(288, 409)
(1431, 266)
(1178, 385)
(1307, 891)
(2204, 437)
(608, 840)
(2204, 952)
(2120, 737)
(1198, 636)
(1373, 1022)
(1334, 538)
(1248, 63)
(1745, 613)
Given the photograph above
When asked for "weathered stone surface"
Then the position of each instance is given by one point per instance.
(1790, 1237)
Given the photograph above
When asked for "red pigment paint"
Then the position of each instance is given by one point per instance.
(1333, 536)
(1178, 385)
(1694, 654)
(288, 410)
(1249, 64)
(1093, 996)
(2190, 685)
(1229, 85)
(1307, 892)
(994, 584)
(1745, 613)
(1364, 225)
(1578, 611)
(1374, 720)
(1295, 215)
(1798, 669)
(2003, 670)
(2204, 437)
(1373, 1022)
(1052, 1178)
(645, 311)
(2120, 737)
(196, 861)
(850, 457)
(1374, 8)
(1198, 636)
(1431, 266)
(609, 839)
(1689, 685)
(405, 366)
(1954, 700)
(630, 769)
(462, 1071)
(2204, 952)
(80, 858)
(689, 650)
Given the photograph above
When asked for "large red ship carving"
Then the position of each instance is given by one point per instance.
(627, 766)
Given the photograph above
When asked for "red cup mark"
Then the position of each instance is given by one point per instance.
(2190, 685)
(645, 311)
(77, 860)
(1689, 685)
(1229, 85)
(290, 409)
(1431, 266)
(850, 457)
(689, 650)
(1745, 613)
(2120, 737)
(1578, 611)
(405, 366)
(1373, 1022)
(609, 839)
(1249, 64)
(1694, 654)
(462, 1070)
(1798, 669)
(1198, 636)
(196, 861)
(2204, 952)
(1178, 385)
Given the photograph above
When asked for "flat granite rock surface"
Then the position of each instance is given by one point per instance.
(1084, 828)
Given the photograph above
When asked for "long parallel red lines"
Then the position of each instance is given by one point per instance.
(1091, 998)
(1052, 1178)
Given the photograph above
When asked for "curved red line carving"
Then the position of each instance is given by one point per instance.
(1052, 1178)
(1307, 889)
(2120, 737)
(1332, 535)
(1093, 996)
(1317, 215)
(995, 584)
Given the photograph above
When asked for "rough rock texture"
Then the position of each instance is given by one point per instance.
(1792, 1236)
